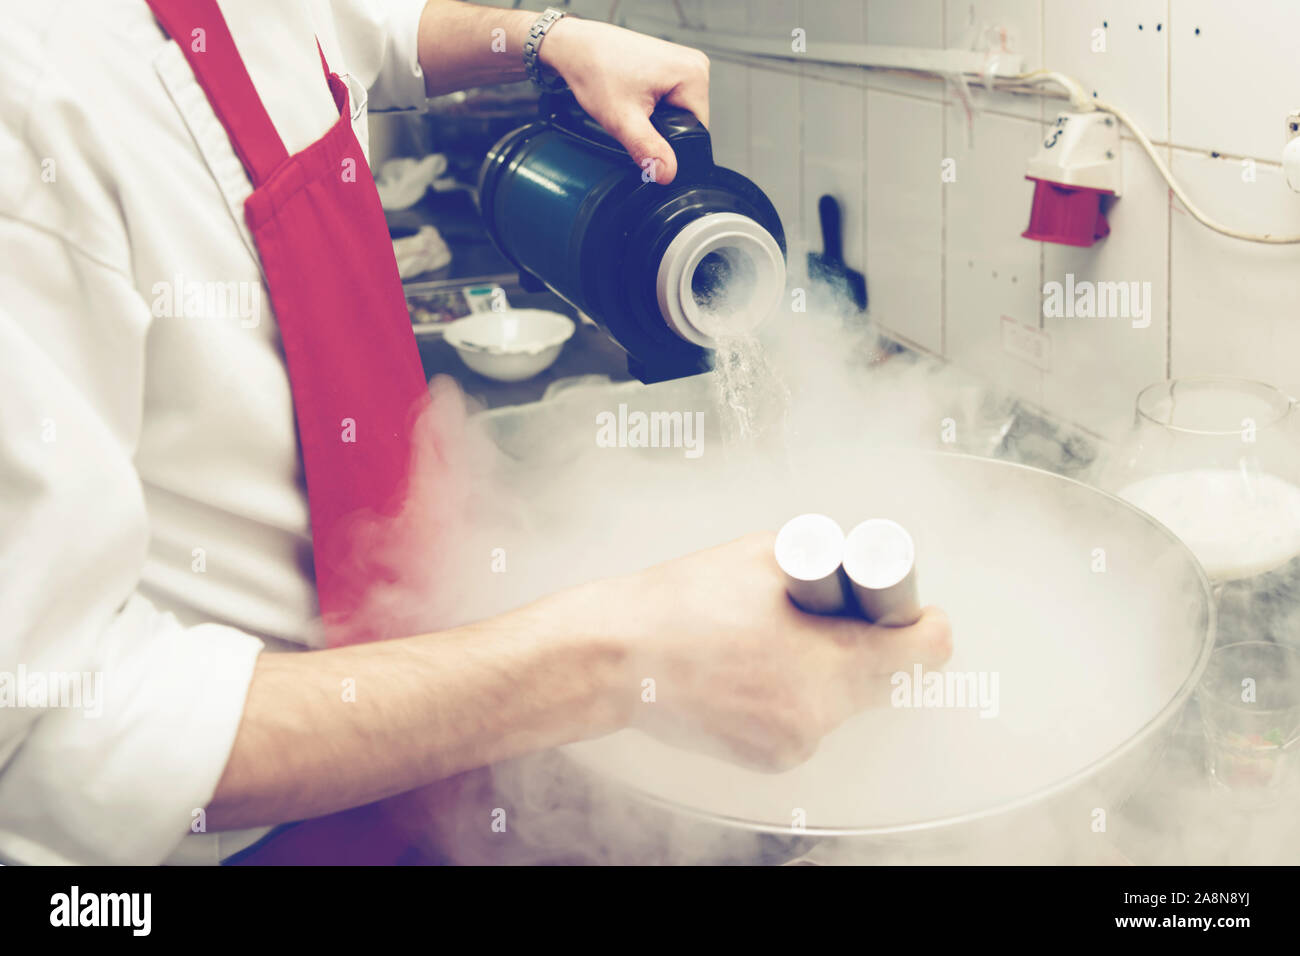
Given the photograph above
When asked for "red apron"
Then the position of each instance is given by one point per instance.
(353, 364)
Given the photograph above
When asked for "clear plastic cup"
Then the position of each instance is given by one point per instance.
(1249, 700)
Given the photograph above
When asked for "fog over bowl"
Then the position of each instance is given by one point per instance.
(1080, 624)
(1091, 666)
(1086, 662)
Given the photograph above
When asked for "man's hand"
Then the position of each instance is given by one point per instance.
(619, 76)
(739, 671)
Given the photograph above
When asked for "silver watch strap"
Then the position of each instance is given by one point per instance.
(544, 78)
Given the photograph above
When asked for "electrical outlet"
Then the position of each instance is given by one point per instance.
(1027, 343)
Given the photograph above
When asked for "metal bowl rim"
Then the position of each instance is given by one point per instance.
(1167, 712)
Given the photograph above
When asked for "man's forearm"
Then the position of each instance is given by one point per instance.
(462, 45)
(327, 730)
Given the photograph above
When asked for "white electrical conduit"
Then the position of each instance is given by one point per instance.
(927, 62)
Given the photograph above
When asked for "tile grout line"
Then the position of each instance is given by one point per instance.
(943, 194)
(1042, 133)
(802, 175)
(1169, 212)
(864, 236)
(1042, 247)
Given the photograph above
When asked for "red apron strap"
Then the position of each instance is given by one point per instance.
(201, 31)
(338, 89)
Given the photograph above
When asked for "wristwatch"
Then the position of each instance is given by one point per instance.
(543, 77)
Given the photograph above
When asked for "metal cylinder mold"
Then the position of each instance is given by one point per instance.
(809, 549)
(880, 562)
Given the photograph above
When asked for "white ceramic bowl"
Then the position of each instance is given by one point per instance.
(511, 345)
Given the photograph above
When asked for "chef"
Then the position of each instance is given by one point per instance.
(207, 373)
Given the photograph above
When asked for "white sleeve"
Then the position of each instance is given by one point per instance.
(115, 721)
(379, 39)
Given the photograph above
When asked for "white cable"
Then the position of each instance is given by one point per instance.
(1081, 102)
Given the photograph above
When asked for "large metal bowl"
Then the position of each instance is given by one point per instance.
(1097, 619)
(1149, 614)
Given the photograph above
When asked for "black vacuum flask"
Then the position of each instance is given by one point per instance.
(667, 271)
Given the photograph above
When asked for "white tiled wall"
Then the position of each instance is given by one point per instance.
(1234, 304)
(989, 271)
(1100, 364)
(918, 23)
(1012, 25)
(1235, 80)
(905, 223)
(776, 124)
(1099, 43)
(834, 142)
(1211, 81)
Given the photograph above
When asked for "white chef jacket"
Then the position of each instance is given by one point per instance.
(153, 515)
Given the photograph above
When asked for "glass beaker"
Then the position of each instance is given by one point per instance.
(1249, 700)
(1217, 461)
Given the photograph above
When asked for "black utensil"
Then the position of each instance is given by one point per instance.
(828, 266)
